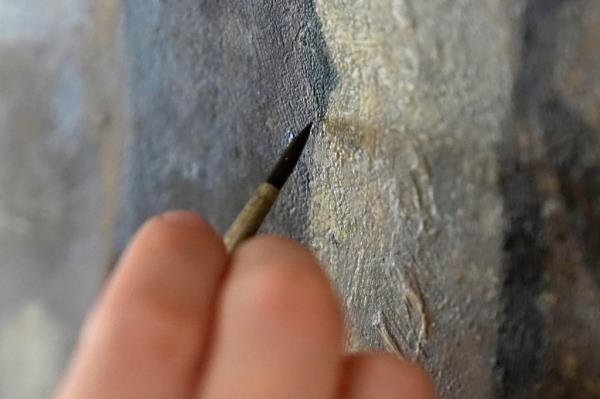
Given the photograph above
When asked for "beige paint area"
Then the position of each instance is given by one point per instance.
(414, 119)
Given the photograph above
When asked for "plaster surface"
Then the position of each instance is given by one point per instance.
(450, 188)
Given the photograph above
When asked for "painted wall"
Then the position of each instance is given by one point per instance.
(450, 190)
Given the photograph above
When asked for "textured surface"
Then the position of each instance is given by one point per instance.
(422, 219)
(217, 83)
(450, 189)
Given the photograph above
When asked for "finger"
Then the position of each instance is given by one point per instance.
(383, 376)
(147, 334)
(279, 328)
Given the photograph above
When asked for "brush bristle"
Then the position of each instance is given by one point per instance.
(287, 163)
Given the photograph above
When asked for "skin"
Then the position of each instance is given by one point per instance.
(180, 319)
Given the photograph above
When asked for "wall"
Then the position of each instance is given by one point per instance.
(450, 188)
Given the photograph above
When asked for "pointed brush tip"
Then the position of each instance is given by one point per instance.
(304, 134)
(287, 163)
(308, 127)
(301, 139)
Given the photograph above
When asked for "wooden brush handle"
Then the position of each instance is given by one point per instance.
(252, 216)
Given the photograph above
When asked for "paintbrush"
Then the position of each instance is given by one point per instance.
(256, 210)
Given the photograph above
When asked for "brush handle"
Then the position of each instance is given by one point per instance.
(252, 216)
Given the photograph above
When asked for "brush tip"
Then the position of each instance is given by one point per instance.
(306, 131)
(286, 164)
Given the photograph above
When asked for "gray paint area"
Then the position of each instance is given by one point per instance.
(62, 111)
(450, 189)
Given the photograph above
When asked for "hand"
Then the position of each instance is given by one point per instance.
(179, 319)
